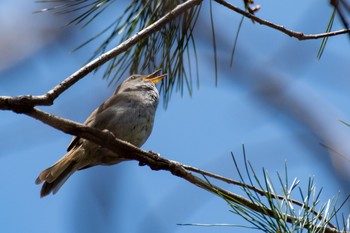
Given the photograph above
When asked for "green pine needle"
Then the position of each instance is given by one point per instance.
(325, 39)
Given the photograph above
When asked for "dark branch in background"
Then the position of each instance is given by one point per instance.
(337, 5)
(298, 35)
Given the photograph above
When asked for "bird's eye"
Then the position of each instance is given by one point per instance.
(133, 77)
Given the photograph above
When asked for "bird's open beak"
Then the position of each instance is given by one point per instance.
(153, 77)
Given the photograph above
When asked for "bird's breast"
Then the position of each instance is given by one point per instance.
(130, 122)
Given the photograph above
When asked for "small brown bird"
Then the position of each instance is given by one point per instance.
(128, 114)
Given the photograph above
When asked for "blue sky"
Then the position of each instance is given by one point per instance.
(277, 99)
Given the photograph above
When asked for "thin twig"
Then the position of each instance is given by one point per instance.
(298, 35)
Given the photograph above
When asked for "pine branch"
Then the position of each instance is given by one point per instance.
(253, 188)
(30, 101)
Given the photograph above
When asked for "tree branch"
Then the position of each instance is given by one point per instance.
(155, 162)
(131, 152)
(20, 103)
(298, 35)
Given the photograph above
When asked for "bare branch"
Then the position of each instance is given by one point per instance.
(153, 160)
(298, 35)
(129, 151)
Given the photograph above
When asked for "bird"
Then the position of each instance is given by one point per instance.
(128, 114)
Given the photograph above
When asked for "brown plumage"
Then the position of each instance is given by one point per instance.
(128, 114)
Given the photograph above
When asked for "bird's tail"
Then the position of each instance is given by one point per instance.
(55, 176)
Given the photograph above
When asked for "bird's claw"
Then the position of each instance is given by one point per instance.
(107, 131)
(155, 154)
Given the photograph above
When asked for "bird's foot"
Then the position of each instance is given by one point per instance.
(155, 154)
(107, 131)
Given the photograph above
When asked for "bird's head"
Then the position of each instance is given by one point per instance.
(138, 82)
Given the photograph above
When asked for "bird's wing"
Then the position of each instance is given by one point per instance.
(90, 121)
(76, 140)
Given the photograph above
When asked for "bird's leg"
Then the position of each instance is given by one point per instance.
(107, 131)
